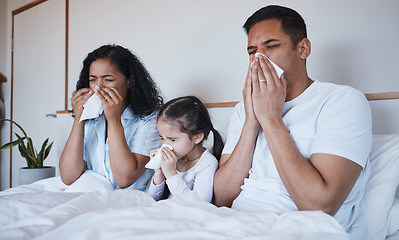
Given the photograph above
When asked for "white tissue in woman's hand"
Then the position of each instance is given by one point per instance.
(92, 108)
(279, 71)
(155, 162)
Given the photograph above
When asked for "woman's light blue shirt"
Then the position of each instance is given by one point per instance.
(141, 136)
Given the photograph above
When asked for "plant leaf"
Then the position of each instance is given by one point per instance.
(23, 151)
(21, 147)
(9, 145)
(31, 150)
(9, 120)
(40, 156)
(47, 150)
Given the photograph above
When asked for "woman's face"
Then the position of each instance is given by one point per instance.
(104, 75)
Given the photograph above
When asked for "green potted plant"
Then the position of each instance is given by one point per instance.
(35, 169)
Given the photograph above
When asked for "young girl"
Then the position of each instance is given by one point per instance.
(184, 123)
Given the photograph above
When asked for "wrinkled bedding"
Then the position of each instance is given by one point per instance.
(91, 209)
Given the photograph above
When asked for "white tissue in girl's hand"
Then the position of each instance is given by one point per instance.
(279, 71)
(92, 108)
(155, 162)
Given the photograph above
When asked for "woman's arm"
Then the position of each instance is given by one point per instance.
(71, 163)
(126, 166)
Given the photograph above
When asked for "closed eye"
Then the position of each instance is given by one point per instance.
(273, 46)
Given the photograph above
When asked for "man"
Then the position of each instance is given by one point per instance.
(294, 143)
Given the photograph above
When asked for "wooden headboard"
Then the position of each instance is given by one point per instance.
(369, 96)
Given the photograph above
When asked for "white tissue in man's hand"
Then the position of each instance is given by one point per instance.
(279, 71)
(92, 108)
(155, 162)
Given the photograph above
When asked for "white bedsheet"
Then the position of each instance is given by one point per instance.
(90, 209)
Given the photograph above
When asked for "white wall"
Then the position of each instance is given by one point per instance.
(3, 59)
(6, 8)
(193, 47)
(3, 36)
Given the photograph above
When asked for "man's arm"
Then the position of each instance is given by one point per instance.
(323, 183)
(234, 167)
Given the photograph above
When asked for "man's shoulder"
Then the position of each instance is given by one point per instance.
(337, 92)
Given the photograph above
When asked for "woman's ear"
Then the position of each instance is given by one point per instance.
(130, 82)
(304, 47)
(198, 138)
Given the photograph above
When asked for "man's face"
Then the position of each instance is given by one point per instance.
(268, 38)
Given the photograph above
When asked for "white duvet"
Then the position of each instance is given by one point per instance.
(91, 209)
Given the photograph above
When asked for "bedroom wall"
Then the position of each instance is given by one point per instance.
(6, 8)
(3, 36)
(199, 48)
(3, 50)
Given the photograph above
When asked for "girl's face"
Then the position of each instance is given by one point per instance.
(170, 134)
(104, 75)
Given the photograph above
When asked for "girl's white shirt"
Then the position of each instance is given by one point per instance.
(198, 178)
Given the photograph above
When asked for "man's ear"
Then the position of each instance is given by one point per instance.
(198, 138)
(304, 47)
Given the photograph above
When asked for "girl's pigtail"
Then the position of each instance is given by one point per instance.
(218, 144)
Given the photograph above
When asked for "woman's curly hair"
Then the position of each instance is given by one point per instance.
(143, 95)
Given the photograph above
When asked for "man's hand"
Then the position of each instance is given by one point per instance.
(247, 95)
(268, 90)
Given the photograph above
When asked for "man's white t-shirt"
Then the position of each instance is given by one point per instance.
(325, 118)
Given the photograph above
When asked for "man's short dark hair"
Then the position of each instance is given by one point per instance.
(291, 22)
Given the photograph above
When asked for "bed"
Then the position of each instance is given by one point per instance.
(91, 209)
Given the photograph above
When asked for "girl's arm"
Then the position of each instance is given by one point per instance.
(203, 183)
(202, 180)
(155, 189)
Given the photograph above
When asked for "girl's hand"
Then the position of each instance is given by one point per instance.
(158, 177)
(79, 99)
(169, 161)
(113, 103)
(153, 152)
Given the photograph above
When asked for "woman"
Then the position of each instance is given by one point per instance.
(118, 142)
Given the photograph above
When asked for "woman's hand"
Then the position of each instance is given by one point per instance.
(113, 103)
(268, 90)
(79, 99)
(168, 163)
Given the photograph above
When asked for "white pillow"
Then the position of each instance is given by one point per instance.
(381, 187)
